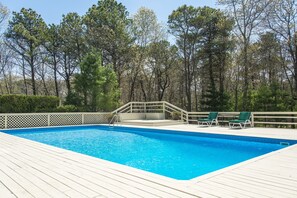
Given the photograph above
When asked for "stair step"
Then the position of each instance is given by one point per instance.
(151, 122)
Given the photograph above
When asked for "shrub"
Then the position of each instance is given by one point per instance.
(27, 104)
(73, 99)
(67, 108)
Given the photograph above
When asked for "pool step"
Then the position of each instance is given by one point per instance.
(151, 122)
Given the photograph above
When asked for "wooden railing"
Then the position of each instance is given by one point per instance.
(152, 107)
(275, 119)
(223, 117)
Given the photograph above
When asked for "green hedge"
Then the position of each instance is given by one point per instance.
(67, 108)
(27, 104)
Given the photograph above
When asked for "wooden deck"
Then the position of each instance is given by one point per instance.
(32, 169)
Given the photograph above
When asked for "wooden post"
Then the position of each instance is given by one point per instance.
(5, 121)
(164, 110)
(48, 119)
(144, 107)
(144, 110)
(252, 119)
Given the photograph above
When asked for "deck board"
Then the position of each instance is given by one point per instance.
(89, 176)
(267, 177)
(32, 169)
(5, 192)
(67, 175)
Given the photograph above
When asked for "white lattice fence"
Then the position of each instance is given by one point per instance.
(92, 118)
(22, 121)
(65, 119)
(2, 122)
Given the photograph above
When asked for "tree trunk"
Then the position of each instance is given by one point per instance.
(188, 83)
(132, 87)
(55, 76)
(24, 76)
(6, 83)
(44, 86)
(143, 91)
(33, 75)
(245, 77)
(67, 76)
(295, 62)
(211, 75)
(236, 90)
(196, 96)
(295, 79)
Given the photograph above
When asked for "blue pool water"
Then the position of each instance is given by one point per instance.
(169, 153)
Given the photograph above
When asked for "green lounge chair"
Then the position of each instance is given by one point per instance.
(243, 119)
(212, 118)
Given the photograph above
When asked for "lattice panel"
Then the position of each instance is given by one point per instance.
(65, 119)
(96, 118)
(22, 121)
(2, 122)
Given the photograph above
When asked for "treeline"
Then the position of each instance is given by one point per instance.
(243, 57)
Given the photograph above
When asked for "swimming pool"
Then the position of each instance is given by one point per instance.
(179, 155)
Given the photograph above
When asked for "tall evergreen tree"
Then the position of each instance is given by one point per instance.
(53, 47)
(97, 84)
(215, 46)
(25, 35)
(72, 47)
(107, 30)
(181, 23)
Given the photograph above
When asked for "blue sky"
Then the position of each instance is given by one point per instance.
(52, 10)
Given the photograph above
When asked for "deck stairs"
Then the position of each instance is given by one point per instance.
(150, 114)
